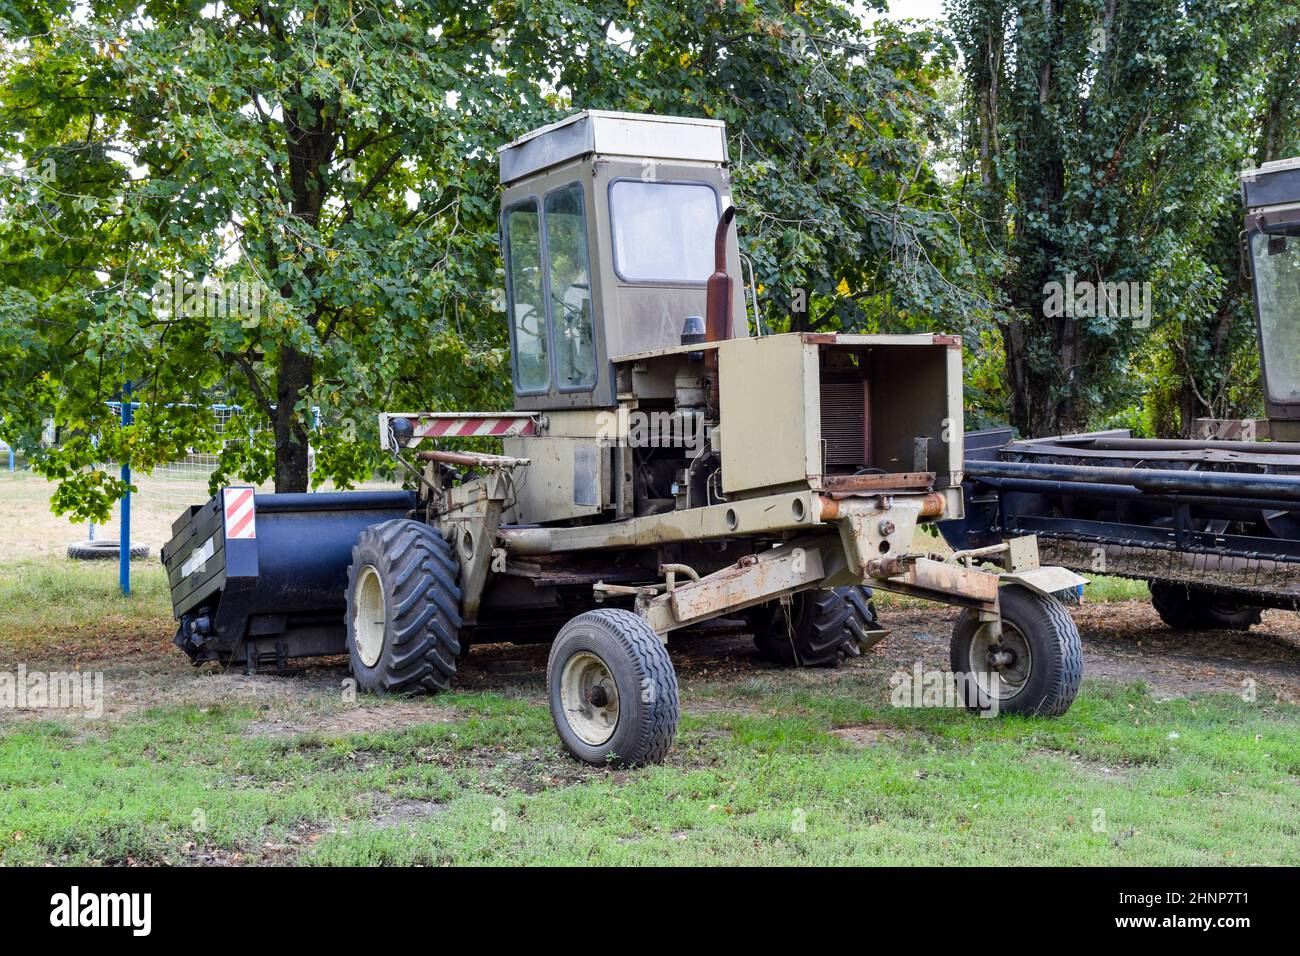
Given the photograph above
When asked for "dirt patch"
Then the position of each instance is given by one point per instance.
(400, 813)
(1090, 768)
(867, 735)
(1123, 641)
(1127, 641)
(505, 772)
(340, 720)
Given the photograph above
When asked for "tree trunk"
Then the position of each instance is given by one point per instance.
(291, 438)
(310, 147)
(1042, 351)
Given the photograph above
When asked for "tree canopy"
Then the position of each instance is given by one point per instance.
(1103, 139)
(290, 206)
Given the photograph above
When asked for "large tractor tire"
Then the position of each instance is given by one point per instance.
(1038, 661)
(818, 628)
(1190, 609)
(613, 690)
(403, 609)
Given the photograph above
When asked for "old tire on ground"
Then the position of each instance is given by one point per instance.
(403, 609)
(819, 628)
(107, 549)
(612, 689)
(1040, 656)
(1191, 609)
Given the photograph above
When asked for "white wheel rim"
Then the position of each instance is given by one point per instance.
(589, 697)
(368, 619)
(1012, 677)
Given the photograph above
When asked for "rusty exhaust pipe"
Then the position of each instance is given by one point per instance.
(717, 307)
(717, 302)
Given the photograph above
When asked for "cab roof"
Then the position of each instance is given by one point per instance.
(636, 135)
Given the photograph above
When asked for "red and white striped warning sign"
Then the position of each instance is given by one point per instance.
(238, 506)
(461, 425)
(475, 426)
(471, 426)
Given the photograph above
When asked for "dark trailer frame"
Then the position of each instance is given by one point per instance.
(280, 593)
(1219, 516)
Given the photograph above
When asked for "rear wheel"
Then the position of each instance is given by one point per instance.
(1191, 609)
(818, 628)
(613, 690)
(403, 609)
(1034, 667)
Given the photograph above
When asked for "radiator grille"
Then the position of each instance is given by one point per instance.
(844, 419)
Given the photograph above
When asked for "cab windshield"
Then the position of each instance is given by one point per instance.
(663, 231)
(1276, 261)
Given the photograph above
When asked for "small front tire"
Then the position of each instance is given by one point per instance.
(612, 689)
(1037, 662)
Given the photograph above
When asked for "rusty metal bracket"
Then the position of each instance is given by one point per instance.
(751, 580)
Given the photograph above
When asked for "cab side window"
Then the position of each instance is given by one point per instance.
(569, 281)
(527, 299)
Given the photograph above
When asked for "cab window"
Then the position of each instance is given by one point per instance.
(569, 278)
(527, 300)
(663, 231)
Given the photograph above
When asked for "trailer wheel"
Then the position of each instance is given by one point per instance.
(613, 690)
(1038, 662)
(1191, 609)
(403, 609)
(819, 628)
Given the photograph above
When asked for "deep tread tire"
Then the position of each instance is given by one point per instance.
(823, 627)
(643, 674)
(1057, 653)
(418, 571)
(1190, 609)
(105, 549)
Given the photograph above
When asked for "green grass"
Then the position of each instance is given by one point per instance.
(1101, 588)
(757, 777)
(944, 787)
(42, 597)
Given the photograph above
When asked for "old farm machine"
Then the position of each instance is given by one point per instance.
(661, 466)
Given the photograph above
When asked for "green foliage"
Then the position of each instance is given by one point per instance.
(1104, 139)
(323, 176)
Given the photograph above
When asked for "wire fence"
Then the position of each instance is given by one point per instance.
(163, 494)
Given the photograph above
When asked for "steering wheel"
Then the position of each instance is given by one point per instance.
(522, 320)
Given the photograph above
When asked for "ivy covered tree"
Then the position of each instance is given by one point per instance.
(1210, 364)
(1102, 136)
(289, 206)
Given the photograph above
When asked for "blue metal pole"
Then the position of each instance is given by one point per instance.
(124, 545)
(11, 458)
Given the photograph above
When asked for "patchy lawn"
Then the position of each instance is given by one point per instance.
(1160, 761)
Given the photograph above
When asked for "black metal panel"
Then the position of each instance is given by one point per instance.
(292, 575)
(1271, 188)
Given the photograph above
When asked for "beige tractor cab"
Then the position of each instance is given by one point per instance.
(608, 223)
(664, 465)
